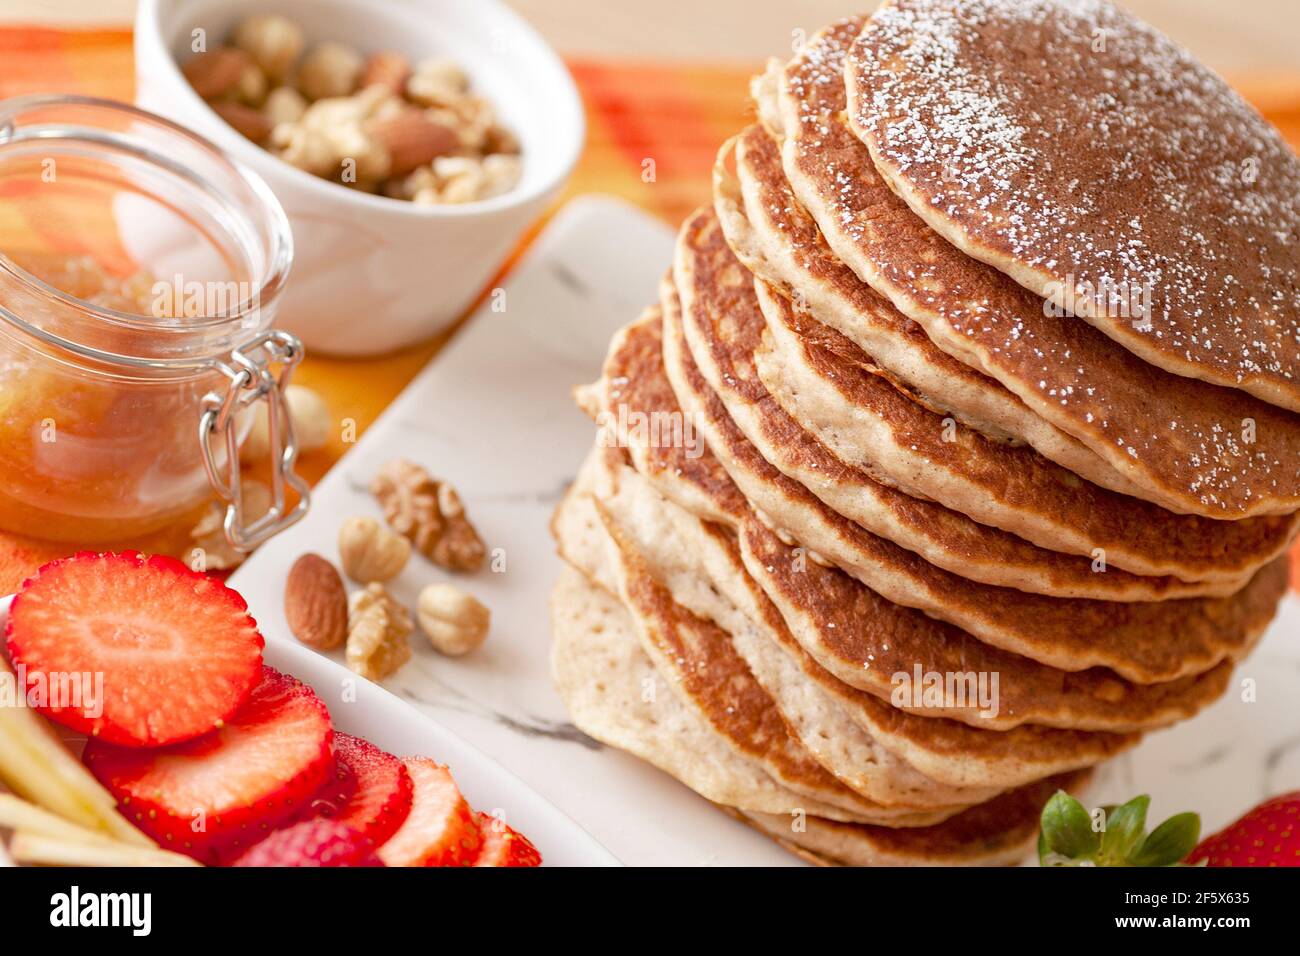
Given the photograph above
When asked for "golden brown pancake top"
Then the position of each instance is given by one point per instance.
(1074, 147)
(1207, 449)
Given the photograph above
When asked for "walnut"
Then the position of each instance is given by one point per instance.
(429, 513)
(455, 622)
(370, 552)
(437, 81)
(378, 628)
(211, 550)
(331, 136)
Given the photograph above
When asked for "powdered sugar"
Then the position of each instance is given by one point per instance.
(1075, 377)
(1069, 143)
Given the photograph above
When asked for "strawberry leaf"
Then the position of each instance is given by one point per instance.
(1168, 843)
(1124, 829)
(1066, 830)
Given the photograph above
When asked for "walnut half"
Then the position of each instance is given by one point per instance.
(378, 628)
(430, 514)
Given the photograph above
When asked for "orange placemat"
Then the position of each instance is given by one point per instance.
(653, 131)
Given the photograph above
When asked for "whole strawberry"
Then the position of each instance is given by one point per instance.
(1071, 836)
(1269, 835)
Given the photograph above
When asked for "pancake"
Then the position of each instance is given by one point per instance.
(1219, 453)
(1146, 643)
(863, 640)
(857, 627)
(601, 673)
(945, 537)
(700, 565)
(697, 660)
(998, 833)
(777, 241)
(1168, 186)
(841, 396)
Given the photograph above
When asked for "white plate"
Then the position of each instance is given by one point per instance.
(494, 416)
(366, 710)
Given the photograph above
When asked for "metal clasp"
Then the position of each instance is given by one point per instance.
(251, 380)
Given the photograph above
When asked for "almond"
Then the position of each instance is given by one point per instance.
(316, 603)
(387, 69)
(246, 120)
(412, 139)
(217, 72)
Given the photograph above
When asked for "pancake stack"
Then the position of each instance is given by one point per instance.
(961, 448)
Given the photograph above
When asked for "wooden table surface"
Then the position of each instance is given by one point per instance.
(1233, 36)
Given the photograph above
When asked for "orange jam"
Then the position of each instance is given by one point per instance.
(95, 458)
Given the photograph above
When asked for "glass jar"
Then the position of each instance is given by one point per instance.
(140, 271)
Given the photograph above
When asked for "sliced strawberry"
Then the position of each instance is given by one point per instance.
(316, 842)
(173, 651)
(503, 846)
(440, 830)
(370, 792)
(215, 796)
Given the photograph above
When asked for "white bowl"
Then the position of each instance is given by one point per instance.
(393, 725)
(373, 274)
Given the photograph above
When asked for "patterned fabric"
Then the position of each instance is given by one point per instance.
(653, 132)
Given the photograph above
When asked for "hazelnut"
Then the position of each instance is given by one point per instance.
(273, 42)
(371, 552)
(252, 87)
(454, 621)
(312, 424)
(330, 70)
(284, 104)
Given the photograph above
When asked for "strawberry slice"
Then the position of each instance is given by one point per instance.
(213, 797)
(316, 842)
(158, 653)
(371, 790)
(440, 830)
(503, 846)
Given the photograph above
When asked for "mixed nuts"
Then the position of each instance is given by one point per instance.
(380, 123)
(424, 515)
